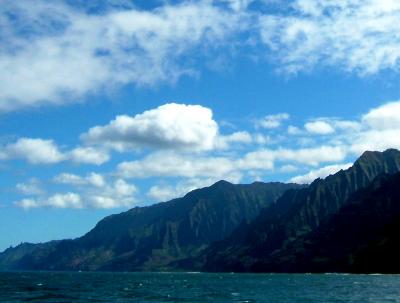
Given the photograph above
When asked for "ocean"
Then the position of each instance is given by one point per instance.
(46, 287)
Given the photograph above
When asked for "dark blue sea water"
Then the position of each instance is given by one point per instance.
(195, 287)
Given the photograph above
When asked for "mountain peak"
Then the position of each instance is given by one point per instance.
(151, 237)
(221, 183)
(374, 157)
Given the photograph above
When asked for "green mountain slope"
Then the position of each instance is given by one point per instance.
(362, 237)
(149, 238)
(296, 214)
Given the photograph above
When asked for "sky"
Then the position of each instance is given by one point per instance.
(109, 105)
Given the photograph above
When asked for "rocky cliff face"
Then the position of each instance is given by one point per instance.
(363, 236)
(296, 214)
(150, 238)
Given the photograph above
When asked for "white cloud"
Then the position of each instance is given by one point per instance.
(42, 151)
(31, 188)
(92, 191)
(377, 130)
(118, 194)
(122, 188)
(261, 139)
(88, 155)
(380, 129)
(178, 171)
(35, 151)
(71, 179)
(319, 127)
(345, 125)
(27, 203)
(288, 168)
(224, 141)
(239, 5)
(358, 36)
(384, 117)
(293, 130)
(168, 164)
(265, 159)
(96, 180)
(93, 179)
(66, 200)
(319, 173)
(170, 126)
(262, 159)
(88, 53)
(272, 121)
(55, 53)
(165, 192)
(375, 140)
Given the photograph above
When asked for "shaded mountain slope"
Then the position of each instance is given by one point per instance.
(297, 213)
(362, 237)
(149, 238)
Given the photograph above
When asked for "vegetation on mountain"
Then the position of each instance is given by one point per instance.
(150, 238)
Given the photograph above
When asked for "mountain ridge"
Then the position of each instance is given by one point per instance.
(257, 227)
(151, 237)
(296, 213)
(363, 227)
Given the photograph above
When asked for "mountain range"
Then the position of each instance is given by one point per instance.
(347, 222)
(269, 242)
(150, 238)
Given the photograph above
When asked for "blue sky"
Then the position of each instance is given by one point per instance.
(127, 103)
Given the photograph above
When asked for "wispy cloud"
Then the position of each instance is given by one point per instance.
(55, 53)
(356, 36)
